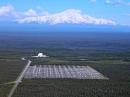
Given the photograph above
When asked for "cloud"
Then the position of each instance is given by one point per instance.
(117, 2)
(71, 16)
(30, 13)
(7, 9)
(68, 16)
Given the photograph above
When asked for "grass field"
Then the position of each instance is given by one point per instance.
(72, 88)
(117, 86)
(5, 89)
(9, 71)
(115, 65)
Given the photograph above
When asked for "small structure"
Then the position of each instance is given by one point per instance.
(23, 59)
(40, 55)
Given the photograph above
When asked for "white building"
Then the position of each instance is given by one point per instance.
(23, 59)
(40, 55)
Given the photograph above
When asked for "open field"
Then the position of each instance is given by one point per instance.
(117, 86)
(72, 88)
(5, 89)
(9, 71)
(114, 65)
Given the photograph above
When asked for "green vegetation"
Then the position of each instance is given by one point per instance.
(10, 68)
(113, 64)
(82, 57)
(4, 90)
(72, 88)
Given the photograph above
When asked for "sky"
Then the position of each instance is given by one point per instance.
(19, 14)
